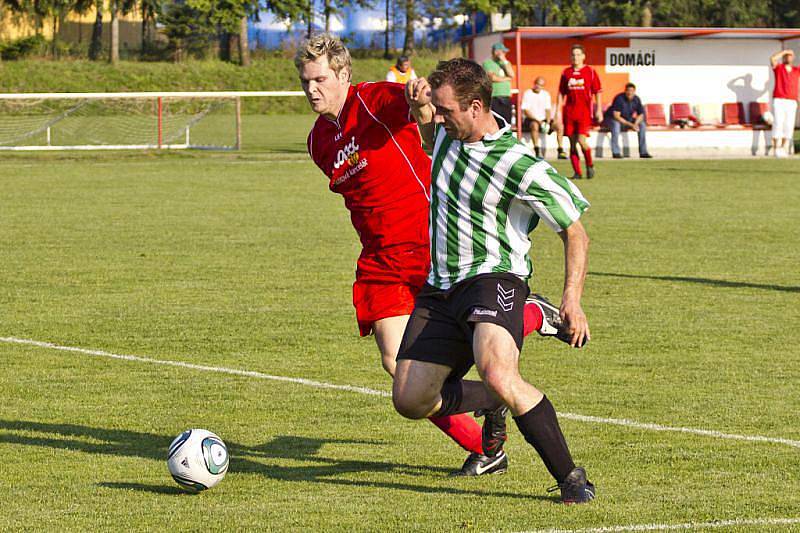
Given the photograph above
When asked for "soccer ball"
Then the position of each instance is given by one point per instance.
(197, 459)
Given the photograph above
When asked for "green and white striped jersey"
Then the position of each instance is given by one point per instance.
(486, 197)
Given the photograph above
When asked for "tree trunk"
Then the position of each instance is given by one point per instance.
(96, 46)
(244, 43)
(54, 44)
(647, 15)
(386, 54)
(224, 46)
(113, 55)
(408, 42)
(233, 46)
(310, 29)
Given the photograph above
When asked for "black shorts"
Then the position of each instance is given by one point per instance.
(441, 326)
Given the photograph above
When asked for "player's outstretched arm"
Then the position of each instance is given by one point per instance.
(776, 57)
(418, 96)
(576, 262)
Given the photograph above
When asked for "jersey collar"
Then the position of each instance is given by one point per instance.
(505, 127)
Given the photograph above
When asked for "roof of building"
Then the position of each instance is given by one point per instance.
(628, 32)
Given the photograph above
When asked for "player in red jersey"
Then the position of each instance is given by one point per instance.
(579, 86)
(369, 147)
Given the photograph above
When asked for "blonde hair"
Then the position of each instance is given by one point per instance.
(324, 44)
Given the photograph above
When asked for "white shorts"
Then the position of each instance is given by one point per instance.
(784, 115)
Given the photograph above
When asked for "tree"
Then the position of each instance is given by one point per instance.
(96, 44)
(410, 9)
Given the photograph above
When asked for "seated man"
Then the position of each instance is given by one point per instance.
(537, 112)
(627, 113)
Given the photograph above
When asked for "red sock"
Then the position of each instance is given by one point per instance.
(576, 161)
(587, 155)
(531, 319)
(461, 428)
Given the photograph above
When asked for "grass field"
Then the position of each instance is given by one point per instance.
(245, 261)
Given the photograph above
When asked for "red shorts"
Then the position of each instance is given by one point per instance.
(376, 300)
(577, 125)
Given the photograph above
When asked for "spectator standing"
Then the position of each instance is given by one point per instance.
(784, 100)
(401, 71)
(500, 73)
(627, 113)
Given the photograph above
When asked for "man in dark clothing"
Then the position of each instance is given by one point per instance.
(627, 113)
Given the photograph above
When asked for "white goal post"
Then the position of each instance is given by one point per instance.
(210, 120)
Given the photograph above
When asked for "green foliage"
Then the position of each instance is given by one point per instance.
(34, 45)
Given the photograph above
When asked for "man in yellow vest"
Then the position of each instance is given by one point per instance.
(401, 72)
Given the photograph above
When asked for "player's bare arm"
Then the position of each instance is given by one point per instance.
(557, 110)
(576, 262)
(777, 56)
(598, 107)
(418, 96)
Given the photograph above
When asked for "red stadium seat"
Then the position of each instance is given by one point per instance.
(757, 110)
(680, 113)
(655, 115)
(733, 113)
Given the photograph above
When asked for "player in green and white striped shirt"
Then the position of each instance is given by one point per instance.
(488, 192)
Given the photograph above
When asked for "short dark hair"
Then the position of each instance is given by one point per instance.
(629, 85)
(577, 46)
(402, 59)
(467, 78)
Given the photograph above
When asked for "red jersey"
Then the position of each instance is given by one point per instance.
(372, 154)
(579, 87)
(786, 82)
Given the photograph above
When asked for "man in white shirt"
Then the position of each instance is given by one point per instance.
(537, 110)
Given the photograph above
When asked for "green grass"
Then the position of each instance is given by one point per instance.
(267, 74)
(246, 260)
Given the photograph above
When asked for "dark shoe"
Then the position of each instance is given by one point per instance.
(589, 173)
(537, 151)
(562, 154)
(552, 325)
(481, 465)
(577, 176)
(575, 488)
(616, 156)
(494, 433)
(645, 156)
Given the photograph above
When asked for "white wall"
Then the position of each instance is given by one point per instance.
(704, 70)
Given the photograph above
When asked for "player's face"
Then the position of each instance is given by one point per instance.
(538, 85)
(459, 124)
(630, 92)
(404, 66)
(578, 57)
(788, 58)
(326, 91)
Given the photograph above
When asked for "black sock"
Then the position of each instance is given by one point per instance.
(540, 428)
(452, 395)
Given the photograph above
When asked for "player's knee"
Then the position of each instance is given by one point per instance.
(500, 382)
(409, 405)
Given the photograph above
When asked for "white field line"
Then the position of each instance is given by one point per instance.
(373, 392)
(738, 522)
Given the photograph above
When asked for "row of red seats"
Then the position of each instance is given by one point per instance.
(681, 113)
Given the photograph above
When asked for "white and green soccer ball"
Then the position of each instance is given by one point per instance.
(197, 459)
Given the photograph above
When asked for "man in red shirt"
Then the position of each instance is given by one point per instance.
(579, 86)
(784, 100)
(369, 147)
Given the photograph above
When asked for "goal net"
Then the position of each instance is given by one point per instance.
(117, 121)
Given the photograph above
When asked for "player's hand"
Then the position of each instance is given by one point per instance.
(573, 316)
(599, 116)
(418, 93)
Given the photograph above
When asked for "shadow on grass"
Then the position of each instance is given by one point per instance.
(704, 281)
(141, 487)
(275, 455)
